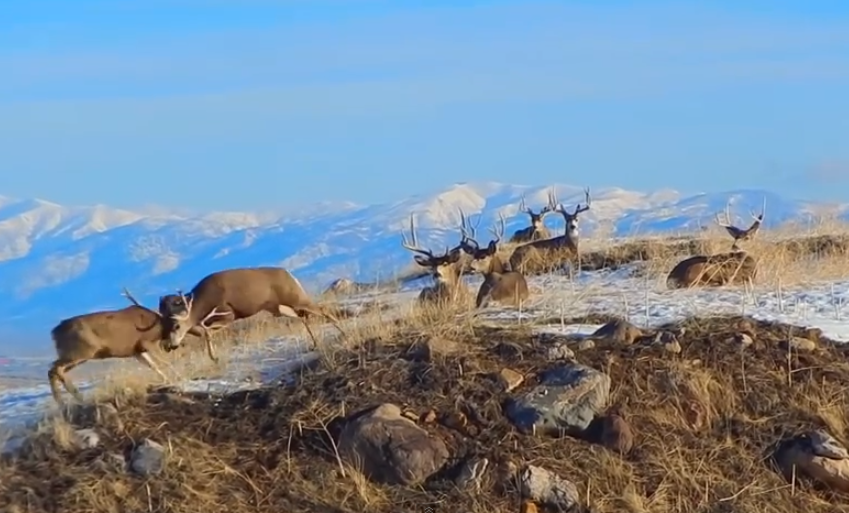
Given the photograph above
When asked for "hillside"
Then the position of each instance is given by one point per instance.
(57, 261)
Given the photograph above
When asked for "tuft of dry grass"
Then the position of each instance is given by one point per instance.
(705, 421)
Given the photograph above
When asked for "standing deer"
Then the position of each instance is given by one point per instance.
(537, 229)
(129, 332)
(498, 285)
(735, 266)
(238, 294)
(444, 269)
(545, 250)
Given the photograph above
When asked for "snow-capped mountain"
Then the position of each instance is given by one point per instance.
(57, 261)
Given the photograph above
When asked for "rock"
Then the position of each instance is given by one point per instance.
(472, 473)
(389, 448)
(613, 432)
(111, 462)
(434, 346)
(567, 399)
(743, 339)
(586, 344)
(560, 351)
(429, 417)
(528, 507)
(798, 344)
(672, 346)
(510, 379)
(619, 332)
(456, 420)
(540, 485)
(411, 415)
(148, 458)
(86, 438)
(818, 456)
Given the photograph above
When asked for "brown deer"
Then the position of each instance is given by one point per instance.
(499, 284)
(238, 294)
(556, 248)
(445, 269)
(735, 266)
(129, 332)
(537, 229)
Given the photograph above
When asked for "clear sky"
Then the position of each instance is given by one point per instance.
(253, 104)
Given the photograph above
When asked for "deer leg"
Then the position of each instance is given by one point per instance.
(333, 320)
(56, 375)
(207, 340)
(147, 360)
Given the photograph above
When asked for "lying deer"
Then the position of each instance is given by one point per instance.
(736, 266)
(129, 332)
(500, 285)
(235, 294)
(445, 269)
(555, 248)
(537, 229)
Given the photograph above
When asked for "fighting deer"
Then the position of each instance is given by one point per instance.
(740, 234)
(129, 332)
(555, 248)
(444, 268)
(735, 266)
(499, 284)
(537, 229)
(235, 294)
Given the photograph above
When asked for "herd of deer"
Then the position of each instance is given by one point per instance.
(223, 297)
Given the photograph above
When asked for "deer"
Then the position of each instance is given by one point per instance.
(537, 229)
(499, 284)
(545, 249)
(735, 266)
(132, 331)
(234, 294)
(445, 269)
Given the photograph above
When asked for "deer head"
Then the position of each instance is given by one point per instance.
(177, 309)
(739, 234)
(442, 267)
(481, 257)
(571, 218)
(537, 218)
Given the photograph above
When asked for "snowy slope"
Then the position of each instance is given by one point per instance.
(57, 261)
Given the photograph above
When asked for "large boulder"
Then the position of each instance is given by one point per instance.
(390, 448)
(566, 400)
(818, 456)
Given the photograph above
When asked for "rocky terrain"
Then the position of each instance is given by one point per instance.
(723, 414)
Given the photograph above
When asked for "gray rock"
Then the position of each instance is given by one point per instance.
(586, 344)
(540, 485)
(567, 399)
(472, 473)
(86, 438)
(799, 344)
(148, 458)
(390, 448)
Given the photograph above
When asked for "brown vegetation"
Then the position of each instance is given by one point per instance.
(686, 432)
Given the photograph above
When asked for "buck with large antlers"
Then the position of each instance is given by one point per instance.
(133, 331)
(537, 229)
(235, 294)
(735, 266)
(499, 284)
(539, 255)
(445, 268)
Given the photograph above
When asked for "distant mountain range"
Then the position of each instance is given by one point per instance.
(57, 261)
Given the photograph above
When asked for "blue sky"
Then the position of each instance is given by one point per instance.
(260, 103)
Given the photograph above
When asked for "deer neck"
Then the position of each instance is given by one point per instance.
(496, 266)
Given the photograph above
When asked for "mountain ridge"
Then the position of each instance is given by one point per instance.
(86, 254)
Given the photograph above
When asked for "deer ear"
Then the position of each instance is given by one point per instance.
(493, 248)
(453, 256)
(422, 261)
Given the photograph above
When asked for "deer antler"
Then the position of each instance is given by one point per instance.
(126, 293)
(498, 233)
(468, 233)
(578, 208)
(415, 245)
(552, 203)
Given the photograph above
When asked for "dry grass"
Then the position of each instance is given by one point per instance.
(704, 421)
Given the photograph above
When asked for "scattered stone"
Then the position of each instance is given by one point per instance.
(454, 420)
(567, 399)
(510, 379)
(429, 417)
(799, 344)
(672, 346)
(585, 345)
(86, 438)
(113, 462)
(472, 473)
(426, 350)
(540, 485)
(817, 455)
(560, 351)
(742, 339)
(411, 415)
(148, 458)
(528, 507)
(619, 332)
(389, 448)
